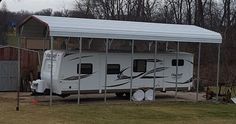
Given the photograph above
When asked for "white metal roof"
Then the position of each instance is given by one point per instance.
(96, 28)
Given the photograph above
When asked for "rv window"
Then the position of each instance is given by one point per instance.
(139, 65)
(180, 62)
(86, 68)
(113, 69)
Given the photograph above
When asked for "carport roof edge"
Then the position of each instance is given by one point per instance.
(113, 29)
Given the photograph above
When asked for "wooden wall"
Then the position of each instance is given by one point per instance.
(29, 60)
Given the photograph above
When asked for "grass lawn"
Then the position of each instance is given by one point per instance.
(125, 113)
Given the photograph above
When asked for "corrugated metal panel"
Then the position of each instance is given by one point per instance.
(8, 75)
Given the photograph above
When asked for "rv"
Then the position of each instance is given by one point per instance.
(65, 72)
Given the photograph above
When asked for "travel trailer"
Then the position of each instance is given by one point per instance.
(66, 72)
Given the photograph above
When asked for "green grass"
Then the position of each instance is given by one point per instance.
(125, 113)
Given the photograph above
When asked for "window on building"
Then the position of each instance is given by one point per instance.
(113, 69)
(180, 62)
(139, 65)
(86, 68)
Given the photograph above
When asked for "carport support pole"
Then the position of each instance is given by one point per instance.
(131, 70)
(167, 45)
(44, 40)
(154, 79)
(198, 70)
(218, 73)
(176, 71)
(19, 75)
(105, 87)
(51, 72)
(80, 60)
(43, 44)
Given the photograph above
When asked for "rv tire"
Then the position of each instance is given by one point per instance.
(64, 95)
(120, 94)
(127, 95)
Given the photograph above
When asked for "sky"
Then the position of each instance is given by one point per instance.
(37, 5)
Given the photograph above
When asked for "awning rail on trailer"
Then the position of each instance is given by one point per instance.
(40, 26)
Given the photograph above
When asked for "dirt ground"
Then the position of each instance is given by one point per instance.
(26, 97)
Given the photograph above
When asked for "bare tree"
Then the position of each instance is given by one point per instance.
(189, 11)
(3, 24)
(58, 13)
(229, 12)
(199, 10)
(45, 12)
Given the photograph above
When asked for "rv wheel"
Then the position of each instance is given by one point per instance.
(127, 95)
(119, 94)
(64, 95)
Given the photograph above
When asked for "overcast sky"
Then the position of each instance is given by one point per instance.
(37, 5)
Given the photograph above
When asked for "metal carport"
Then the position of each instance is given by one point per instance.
(50, 27)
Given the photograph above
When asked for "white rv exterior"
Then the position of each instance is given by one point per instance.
(65, 72)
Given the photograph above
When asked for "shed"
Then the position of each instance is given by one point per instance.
(9, 68)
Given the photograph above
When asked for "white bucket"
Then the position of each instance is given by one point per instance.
(149, 95)
(138, 95)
